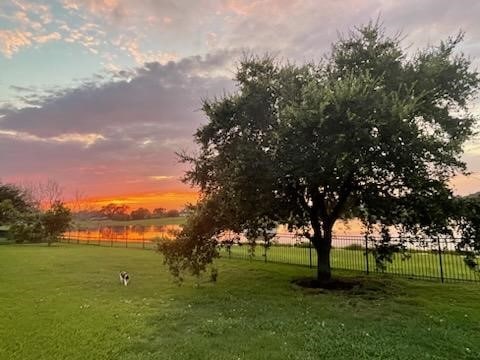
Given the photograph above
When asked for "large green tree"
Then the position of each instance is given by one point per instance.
(55, 221)
(374, 132)
(13, 200)
(27, 222)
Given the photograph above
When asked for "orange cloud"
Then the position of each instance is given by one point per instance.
(258, 7)
(49, 37)
(132, 47)
(12, 41)
(464, 185)
(93, 6)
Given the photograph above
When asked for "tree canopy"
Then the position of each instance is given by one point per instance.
(56, 220)
(140, 213)
(373, 132)
(115, 211)
(14, 198)
(27, 220)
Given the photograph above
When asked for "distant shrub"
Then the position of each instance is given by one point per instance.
(213, 275)
(56, 221)
(30, 231)
(303, 244)
(355, 247)
(172, 213)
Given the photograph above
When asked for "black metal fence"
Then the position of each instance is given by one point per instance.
(419, 259)
(110, 241)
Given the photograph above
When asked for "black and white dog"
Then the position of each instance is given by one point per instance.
(124, 278)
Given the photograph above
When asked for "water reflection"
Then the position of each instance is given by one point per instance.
(125, 233)
(346, 236)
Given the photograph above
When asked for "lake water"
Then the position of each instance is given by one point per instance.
(346, 234)
(125, 233)
(140, 233)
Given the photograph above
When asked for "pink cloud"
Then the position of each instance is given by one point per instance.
(48, 37)
(94, 6)
(12, 41)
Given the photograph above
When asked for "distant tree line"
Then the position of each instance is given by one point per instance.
(142, 213)
(114, 211)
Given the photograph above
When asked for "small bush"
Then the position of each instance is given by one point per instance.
(28, 232)
(213, 275)
(355, 247)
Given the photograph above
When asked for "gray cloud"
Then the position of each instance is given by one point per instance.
(164, 97)
(141, 121)
(305, 29)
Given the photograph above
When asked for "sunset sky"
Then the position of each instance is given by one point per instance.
(100, 94)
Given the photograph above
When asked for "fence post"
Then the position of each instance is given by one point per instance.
(440, 260)
(366, 255)
(265, 252)
(310, 251)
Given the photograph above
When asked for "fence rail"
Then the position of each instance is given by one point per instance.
(421, 259)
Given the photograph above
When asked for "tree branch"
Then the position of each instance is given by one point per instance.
(343, 195)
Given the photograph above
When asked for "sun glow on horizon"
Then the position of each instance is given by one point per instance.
(168, 200)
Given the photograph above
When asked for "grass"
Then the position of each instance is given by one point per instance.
(95, 224)
(65, 302)
(419, 264)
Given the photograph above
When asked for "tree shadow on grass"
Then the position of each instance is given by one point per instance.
(366, 287)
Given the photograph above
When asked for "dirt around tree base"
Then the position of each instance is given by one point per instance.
(333, 284)
(372, 288)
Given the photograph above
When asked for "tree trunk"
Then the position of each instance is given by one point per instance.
(324, 271)
(322, 241)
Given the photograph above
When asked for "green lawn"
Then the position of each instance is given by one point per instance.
(65, 302)
(418, 265)
(93, 224)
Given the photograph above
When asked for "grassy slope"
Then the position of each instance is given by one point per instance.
(418, 264)
(65, 302)
(90, 224)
